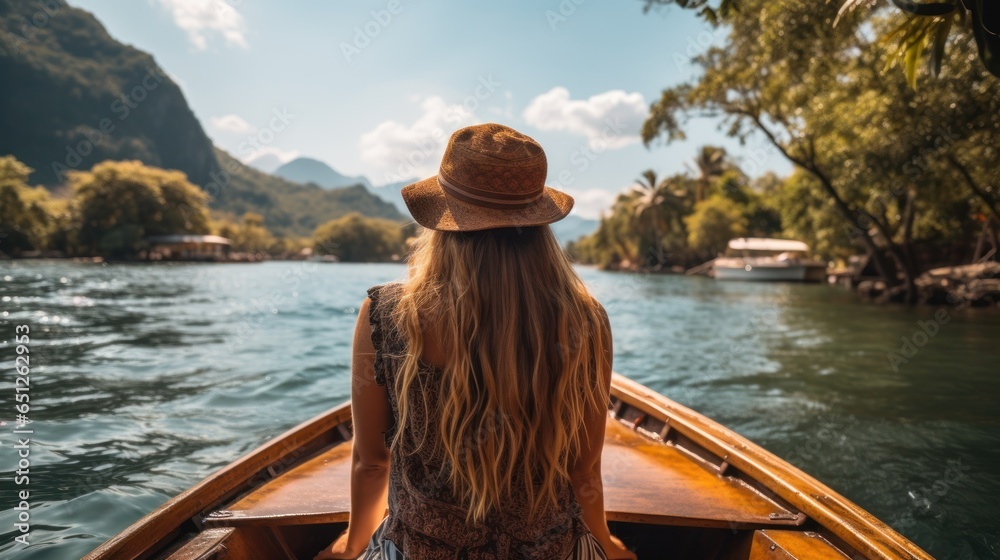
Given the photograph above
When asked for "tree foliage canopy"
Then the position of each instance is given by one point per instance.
(117, 204)
(26, 218)
(905, 171)
(250, 235)
(682, 220)
(356, 238)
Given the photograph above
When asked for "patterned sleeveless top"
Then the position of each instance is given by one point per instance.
(426, 520)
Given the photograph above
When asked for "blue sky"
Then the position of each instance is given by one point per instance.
(376, 87)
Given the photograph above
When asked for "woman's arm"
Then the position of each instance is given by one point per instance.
(372, 416)
(586, 471)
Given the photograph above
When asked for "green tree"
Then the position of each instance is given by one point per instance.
(616, 244)
(648, 226)
(649, 197)
(878, 150)
(713, 223)
(250, 235)
(807, 215)
(355, 238)
(711, 163)
(117, 204)
(926, 29)
(25, 212)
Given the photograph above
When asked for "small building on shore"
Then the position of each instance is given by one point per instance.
(188, 247)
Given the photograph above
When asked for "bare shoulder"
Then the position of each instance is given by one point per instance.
(363, 327)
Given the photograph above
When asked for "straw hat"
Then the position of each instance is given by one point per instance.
(491, 176)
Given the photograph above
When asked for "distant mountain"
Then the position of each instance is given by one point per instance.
(288, 207)
(73, 96)
(390, 192)
(309, 170)
(265, 162)
(572, 228)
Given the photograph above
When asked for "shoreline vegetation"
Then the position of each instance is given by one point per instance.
(673, 225)
(894, 184)
(117, 210)
(680, 223)
(895, 179)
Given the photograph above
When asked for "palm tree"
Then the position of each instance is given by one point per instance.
(659, 200)
(930, 29)
(647, 198)
(711, 163)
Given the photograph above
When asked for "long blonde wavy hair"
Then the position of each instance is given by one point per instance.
(525, 344)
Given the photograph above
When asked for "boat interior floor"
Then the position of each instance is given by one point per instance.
(665, 498)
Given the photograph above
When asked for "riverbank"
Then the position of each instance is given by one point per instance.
(974, 285)
(57, 256)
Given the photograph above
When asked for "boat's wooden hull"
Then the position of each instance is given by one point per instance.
(677, 484)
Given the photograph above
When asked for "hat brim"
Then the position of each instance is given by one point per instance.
(433, 208)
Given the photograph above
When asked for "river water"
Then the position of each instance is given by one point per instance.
(146, 378)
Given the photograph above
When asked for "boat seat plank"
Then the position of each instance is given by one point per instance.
(206, 545)
(645, 481)
(771, 544)
(315, 491)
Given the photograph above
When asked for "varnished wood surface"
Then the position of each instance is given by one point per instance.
(792, 545)
(155, 530)
(703, 472)
(317, 491)
(649, 482)
(206, 545)
(644, 482)
(856, 527)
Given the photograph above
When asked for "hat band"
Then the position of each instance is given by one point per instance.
(488, 199)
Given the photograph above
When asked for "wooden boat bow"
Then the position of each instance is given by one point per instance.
(675, 482)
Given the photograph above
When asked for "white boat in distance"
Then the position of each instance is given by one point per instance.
(763, 259)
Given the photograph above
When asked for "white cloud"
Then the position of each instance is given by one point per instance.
(201, 18)
(614, 117)
(590, 203)
(402, 151)
(232, 123)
